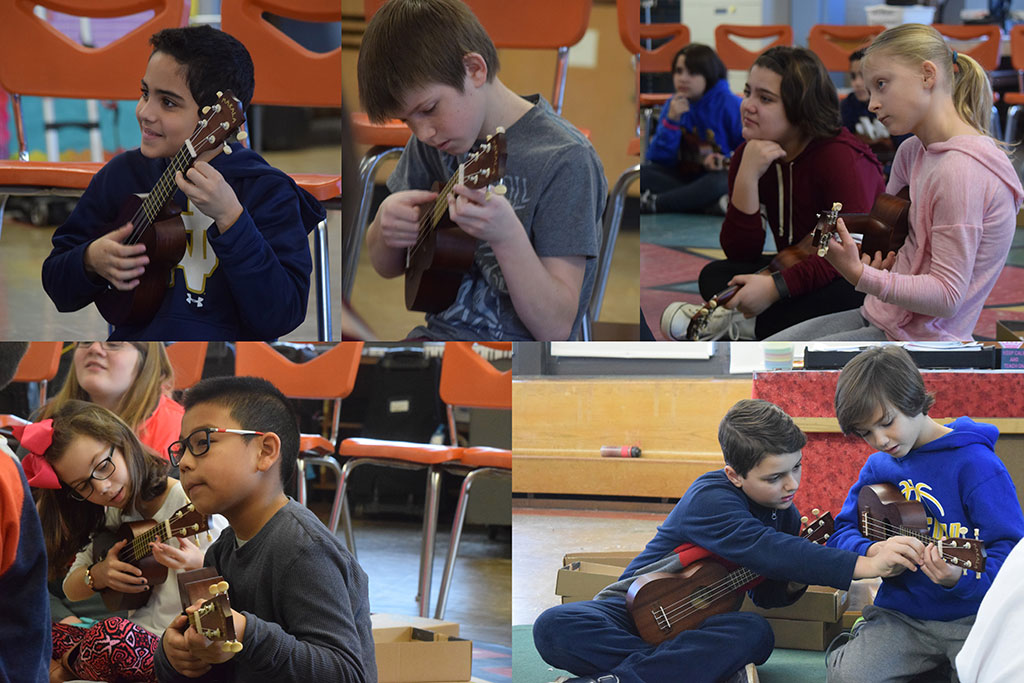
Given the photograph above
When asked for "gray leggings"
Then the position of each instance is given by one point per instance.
(890, 647)
(842, 326)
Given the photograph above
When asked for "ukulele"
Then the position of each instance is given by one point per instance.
(884, 512)
(187, 521)
(884, 229)
(213, 618)
(157, 223)
(435, 264)
(664, 605)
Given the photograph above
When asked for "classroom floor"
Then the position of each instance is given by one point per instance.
(543, 535)
(26, 312)
(675, 247)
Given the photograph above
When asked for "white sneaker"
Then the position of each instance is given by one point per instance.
(721, 323)
(747, 674)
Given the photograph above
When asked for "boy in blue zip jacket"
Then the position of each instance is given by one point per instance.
(697, 131)
(742, 513)
(919, 619)
(245, 272)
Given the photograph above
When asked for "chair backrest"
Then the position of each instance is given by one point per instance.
(835, 44)
(528, 24)
(187, 359)
(467, 379)
(734, 55)
(985, 51)
(286, 73)
(331, 375)
(1017, 46)
(37, 59)
(634, 34)
(40, 362)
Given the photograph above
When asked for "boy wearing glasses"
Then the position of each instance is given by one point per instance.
(238, 450)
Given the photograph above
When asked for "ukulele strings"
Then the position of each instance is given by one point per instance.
(733, 580)
(887, 530)
(429, 220)
(180, 162)
(139, 546)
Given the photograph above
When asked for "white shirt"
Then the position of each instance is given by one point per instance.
(165, 604)
(992, 652)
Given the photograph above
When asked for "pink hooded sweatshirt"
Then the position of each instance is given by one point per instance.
(964, 196)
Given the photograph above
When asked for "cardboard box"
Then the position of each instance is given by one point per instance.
(583, 580)
(793, 634)
(614, 558)
(382, 620)
(1010, 330)
(819, 603)
(412, 655)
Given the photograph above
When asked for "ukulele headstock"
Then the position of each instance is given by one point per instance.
(825, 229)
(487, 164)
(219, 122)
(967, 553)
(699, 321)
(187, 521)
(819, 530)
(213, 619)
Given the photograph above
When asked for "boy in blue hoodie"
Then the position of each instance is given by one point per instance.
(919, 619)
(245, 272)
(697, 131)
(742, 513)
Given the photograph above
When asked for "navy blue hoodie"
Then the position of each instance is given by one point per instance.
(719, 517)
(963, 485)
(252, 282)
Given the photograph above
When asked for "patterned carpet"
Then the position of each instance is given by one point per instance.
(677, 246)
(492, 663)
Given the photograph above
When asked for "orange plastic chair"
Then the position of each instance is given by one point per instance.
(38, 60)
(1015, 99)
(835, 44)
(734, 55)
(290, 75)
(188, 360)
(329, 376)
(39, 364)
(985, 51)
(526, 24)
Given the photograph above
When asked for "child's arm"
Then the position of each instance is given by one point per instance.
(664, 146)
(545, 292)
(394, 229)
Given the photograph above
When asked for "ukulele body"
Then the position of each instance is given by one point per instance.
(154, 572)
(889, 510)
(437, 266)
(165, 242)
(651, 595)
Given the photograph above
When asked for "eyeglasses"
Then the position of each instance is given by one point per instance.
(106, 346)
(104, 468)
(198, 442)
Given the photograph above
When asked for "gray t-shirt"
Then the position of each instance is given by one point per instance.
(557, 187)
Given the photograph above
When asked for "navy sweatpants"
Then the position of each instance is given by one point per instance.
(598, 636)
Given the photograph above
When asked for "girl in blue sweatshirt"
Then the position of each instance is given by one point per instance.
(697, 132)
(920, 618)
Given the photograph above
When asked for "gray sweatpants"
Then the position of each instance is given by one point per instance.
(842, 326)
(890, 647)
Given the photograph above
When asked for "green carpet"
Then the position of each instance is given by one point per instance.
(784, 666)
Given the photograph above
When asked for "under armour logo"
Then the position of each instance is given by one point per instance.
(198, 301)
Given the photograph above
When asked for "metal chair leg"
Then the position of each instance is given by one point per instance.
(367, 174)
(453, 544)
(429, 532)
(322, 281)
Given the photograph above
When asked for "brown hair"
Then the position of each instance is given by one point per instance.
(808, 94)
(970, 87)
(875, 377)
(701, 59)
(410, 44)
(154, 377)
(753, 429)
(68, 524)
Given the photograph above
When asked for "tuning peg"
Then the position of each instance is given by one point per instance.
(221, 587)
(206, 110)
(500, 190)
(815, 511)
(227, 149)
(231, 646)
(499, 130)
(220, 93)
(242, 135)
(804, 520)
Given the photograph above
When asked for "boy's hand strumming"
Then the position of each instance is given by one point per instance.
(119, 264)
(207, 189)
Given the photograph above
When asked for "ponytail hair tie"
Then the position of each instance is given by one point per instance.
(36, 439)
(954, 57)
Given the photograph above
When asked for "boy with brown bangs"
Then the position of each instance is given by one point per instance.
(299, 599)
(742, 513)
(431, 64)
(919, 619)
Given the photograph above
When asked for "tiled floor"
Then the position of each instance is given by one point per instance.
(26, 312)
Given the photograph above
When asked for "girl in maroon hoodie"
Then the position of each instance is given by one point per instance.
(797, 160)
